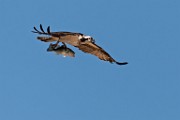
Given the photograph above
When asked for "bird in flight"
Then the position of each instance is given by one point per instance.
(82, 42)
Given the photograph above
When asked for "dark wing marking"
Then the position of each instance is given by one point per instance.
(41, 28)
(62, 33)
(40, 32)
(48, 30)
(94, 49)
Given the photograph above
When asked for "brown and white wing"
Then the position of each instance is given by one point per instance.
(67, 37)
(94, 49)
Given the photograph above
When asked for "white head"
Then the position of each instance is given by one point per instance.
(85, 38)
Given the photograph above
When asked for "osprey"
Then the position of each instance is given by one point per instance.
(83, 42)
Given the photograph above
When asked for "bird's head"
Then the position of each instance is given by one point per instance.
(85, 38)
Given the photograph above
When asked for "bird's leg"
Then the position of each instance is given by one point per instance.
(57, 43)
(64, 44)
(54, 46)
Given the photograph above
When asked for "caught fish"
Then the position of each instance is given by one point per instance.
(63, 50)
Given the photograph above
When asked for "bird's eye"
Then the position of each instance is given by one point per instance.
(83, 39)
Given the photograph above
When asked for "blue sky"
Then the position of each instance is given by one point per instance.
(38, 85)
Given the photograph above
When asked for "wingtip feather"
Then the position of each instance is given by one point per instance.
(122, 63)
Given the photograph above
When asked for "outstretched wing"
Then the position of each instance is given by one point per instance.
(96, 50)
(66, 37)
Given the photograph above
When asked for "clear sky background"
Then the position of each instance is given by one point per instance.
(38, 85)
